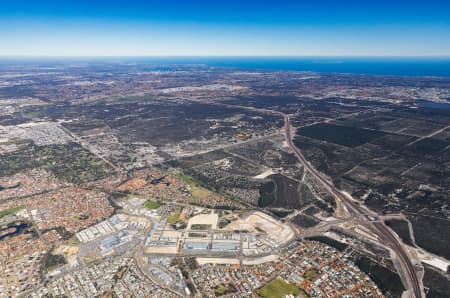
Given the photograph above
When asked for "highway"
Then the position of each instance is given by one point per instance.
(356, 209)
(366, 216)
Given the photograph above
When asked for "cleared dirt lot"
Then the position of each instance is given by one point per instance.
(256, 221)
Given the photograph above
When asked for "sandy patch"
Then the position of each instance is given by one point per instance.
(437, 262)
(264, 174)
(261, 260)
(204, 219)
(203, 261)
(69, 251)
(258, 221)
(160, 250)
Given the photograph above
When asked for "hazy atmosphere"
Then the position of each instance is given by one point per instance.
(222, 28)
(225, 149)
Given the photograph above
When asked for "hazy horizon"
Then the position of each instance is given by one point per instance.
(404, 66)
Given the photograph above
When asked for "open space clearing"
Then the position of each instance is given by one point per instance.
(258, 221)
(152, 205)
(210, 219)
(278, 288)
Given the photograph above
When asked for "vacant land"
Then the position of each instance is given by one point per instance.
(432, 234)
(341, 135)
(395, 160)
(388, 281)
(305, 221)
(52, 261)
(267, 194)
(401, 228)
(438, 284)
(173, 217)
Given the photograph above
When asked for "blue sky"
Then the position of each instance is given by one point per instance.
(222, 28)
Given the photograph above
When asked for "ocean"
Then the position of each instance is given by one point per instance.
(399, 66)
(356, 65)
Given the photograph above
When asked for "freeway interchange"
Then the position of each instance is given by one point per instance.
(365, 216)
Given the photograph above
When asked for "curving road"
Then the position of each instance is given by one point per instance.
(368, 216)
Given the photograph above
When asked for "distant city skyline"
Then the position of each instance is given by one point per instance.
(224, 28)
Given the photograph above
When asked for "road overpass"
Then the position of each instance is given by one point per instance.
(367, 216)
(363, 214)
